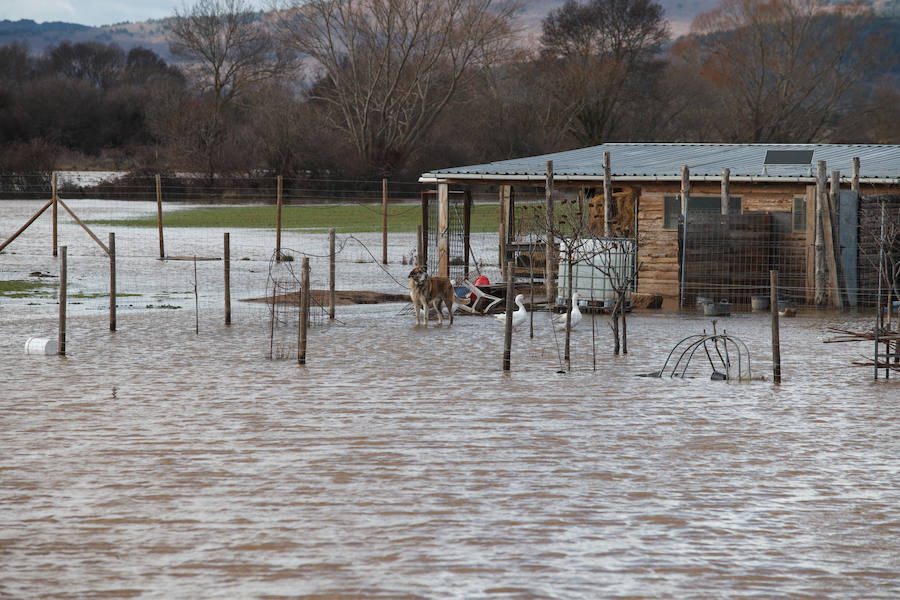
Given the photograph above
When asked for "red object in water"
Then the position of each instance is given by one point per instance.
(482, 280)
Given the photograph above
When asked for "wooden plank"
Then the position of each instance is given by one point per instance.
(833, 291)
(810, 243)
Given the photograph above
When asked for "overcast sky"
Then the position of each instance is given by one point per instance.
(96, 12)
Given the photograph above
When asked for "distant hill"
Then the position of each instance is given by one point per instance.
(152, 33)
(39, 36)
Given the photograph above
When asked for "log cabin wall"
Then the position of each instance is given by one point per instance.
(658, 246)
(786, 249)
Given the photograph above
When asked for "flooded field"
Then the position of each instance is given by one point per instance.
(157, 462)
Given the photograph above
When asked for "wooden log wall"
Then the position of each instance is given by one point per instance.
(780, 248)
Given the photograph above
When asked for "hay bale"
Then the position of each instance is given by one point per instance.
(639, 300)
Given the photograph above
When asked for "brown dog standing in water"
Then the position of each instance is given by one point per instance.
(425, 290)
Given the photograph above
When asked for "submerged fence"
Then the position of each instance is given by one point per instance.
(717, 256)
(214, 273)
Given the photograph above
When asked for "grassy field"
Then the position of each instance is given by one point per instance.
(18, 288)
(345, 218)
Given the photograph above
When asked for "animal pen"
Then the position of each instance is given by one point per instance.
(685, 242)
(710, 221)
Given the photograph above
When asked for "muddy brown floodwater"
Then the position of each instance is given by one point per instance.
(401, 463)
(155, 462)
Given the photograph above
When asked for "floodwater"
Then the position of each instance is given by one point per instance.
(401, 462)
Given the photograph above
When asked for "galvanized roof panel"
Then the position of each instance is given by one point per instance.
(664, 161)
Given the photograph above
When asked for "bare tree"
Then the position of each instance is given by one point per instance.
(94, 62)
(880, 246)
(782, 68)
(290, 139)
(601, 55)
(228, 53)
(388, 68)
(613, 258)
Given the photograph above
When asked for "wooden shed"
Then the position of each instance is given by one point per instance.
(709, 218)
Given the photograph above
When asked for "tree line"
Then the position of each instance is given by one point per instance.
(373, 88)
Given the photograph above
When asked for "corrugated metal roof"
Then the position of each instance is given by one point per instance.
(664, 161)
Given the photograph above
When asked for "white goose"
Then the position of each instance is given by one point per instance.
(559, 320)
(518, 316)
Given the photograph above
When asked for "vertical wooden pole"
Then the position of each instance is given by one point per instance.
(423, 250)
(384, 224)
(159, 219)
(570, 268)
(278, 200)
(854, 177)
(467, 232)
(820, 236)
(726, 191)
(331, 271)
(879, 322)
(420, 240)
(112, 281)
(63, 284)
(443, 242)
(607, 197)
(834, 194)
(507, 332)
(196, 300)
(505, 192)
(55, 199)
(836, 270)
(304, 312)
(550, 244)
(685, 199)
(776, 335)
(227, 252)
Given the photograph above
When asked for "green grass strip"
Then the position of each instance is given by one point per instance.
(345, 218)
(22, 288)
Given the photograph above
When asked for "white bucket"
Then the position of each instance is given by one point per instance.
(40, 346)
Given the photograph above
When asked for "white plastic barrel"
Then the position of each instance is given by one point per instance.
(40, 346)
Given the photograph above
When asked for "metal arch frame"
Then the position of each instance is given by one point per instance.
(695, 342)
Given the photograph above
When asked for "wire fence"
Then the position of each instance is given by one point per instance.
(192, 270)
(719, 257)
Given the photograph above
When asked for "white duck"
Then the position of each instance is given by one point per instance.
(559, 320)
(518, 316)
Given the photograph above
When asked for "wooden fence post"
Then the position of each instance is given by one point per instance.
(820, 236)
(505, 194)
(726, 191)
(854, 177)
(607, 197)
(227, 261)
(443, 232)
(685, 199)
(384, 224)
(196, 300)
(420, 241)
(159, 219)
(112, 281)
(833, 243)
(304, 312)
(331, 278)
(55, 199)
(467, 232)
(63, 284)
(507, 333)
(776, 335)
(278, 220)
(550, 243)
